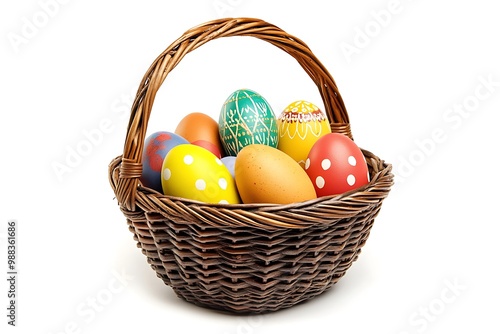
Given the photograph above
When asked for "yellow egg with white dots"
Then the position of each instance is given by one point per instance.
(192, 172)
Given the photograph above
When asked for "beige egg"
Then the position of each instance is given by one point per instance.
(265, 174)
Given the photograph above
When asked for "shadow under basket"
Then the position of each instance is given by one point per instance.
(245, 258)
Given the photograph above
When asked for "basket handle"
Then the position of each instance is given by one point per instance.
(131, 165)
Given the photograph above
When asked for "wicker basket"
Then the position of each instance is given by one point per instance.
(245, 258)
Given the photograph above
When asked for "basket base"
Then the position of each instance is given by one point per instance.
(253, 300)
(245, 308)
(272, 271)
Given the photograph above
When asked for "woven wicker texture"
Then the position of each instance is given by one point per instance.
(246, 258)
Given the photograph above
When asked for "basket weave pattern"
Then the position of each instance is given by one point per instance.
(245, 258)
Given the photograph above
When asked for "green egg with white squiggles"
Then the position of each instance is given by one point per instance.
(246, 118)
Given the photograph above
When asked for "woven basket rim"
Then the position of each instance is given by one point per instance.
(381, 180)
(149, 191)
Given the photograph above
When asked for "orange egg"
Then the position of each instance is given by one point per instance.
(265, 174)
(199, 126)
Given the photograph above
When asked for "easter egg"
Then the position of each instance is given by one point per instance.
(246, 118)
(229, 161)
(156, 147)
(192, 172)
(265, 174)
(198, 126)
(336, 165)
(300, 125)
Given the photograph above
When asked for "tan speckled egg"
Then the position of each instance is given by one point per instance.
(265, 174)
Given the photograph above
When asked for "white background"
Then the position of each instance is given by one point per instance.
(429, 263)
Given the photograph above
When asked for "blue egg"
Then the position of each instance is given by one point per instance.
(156, 147)
(229, 163)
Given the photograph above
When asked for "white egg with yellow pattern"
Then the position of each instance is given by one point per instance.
(192, 172)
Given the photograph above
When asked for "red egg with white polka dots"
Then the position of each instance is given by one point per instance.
(336, 165)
